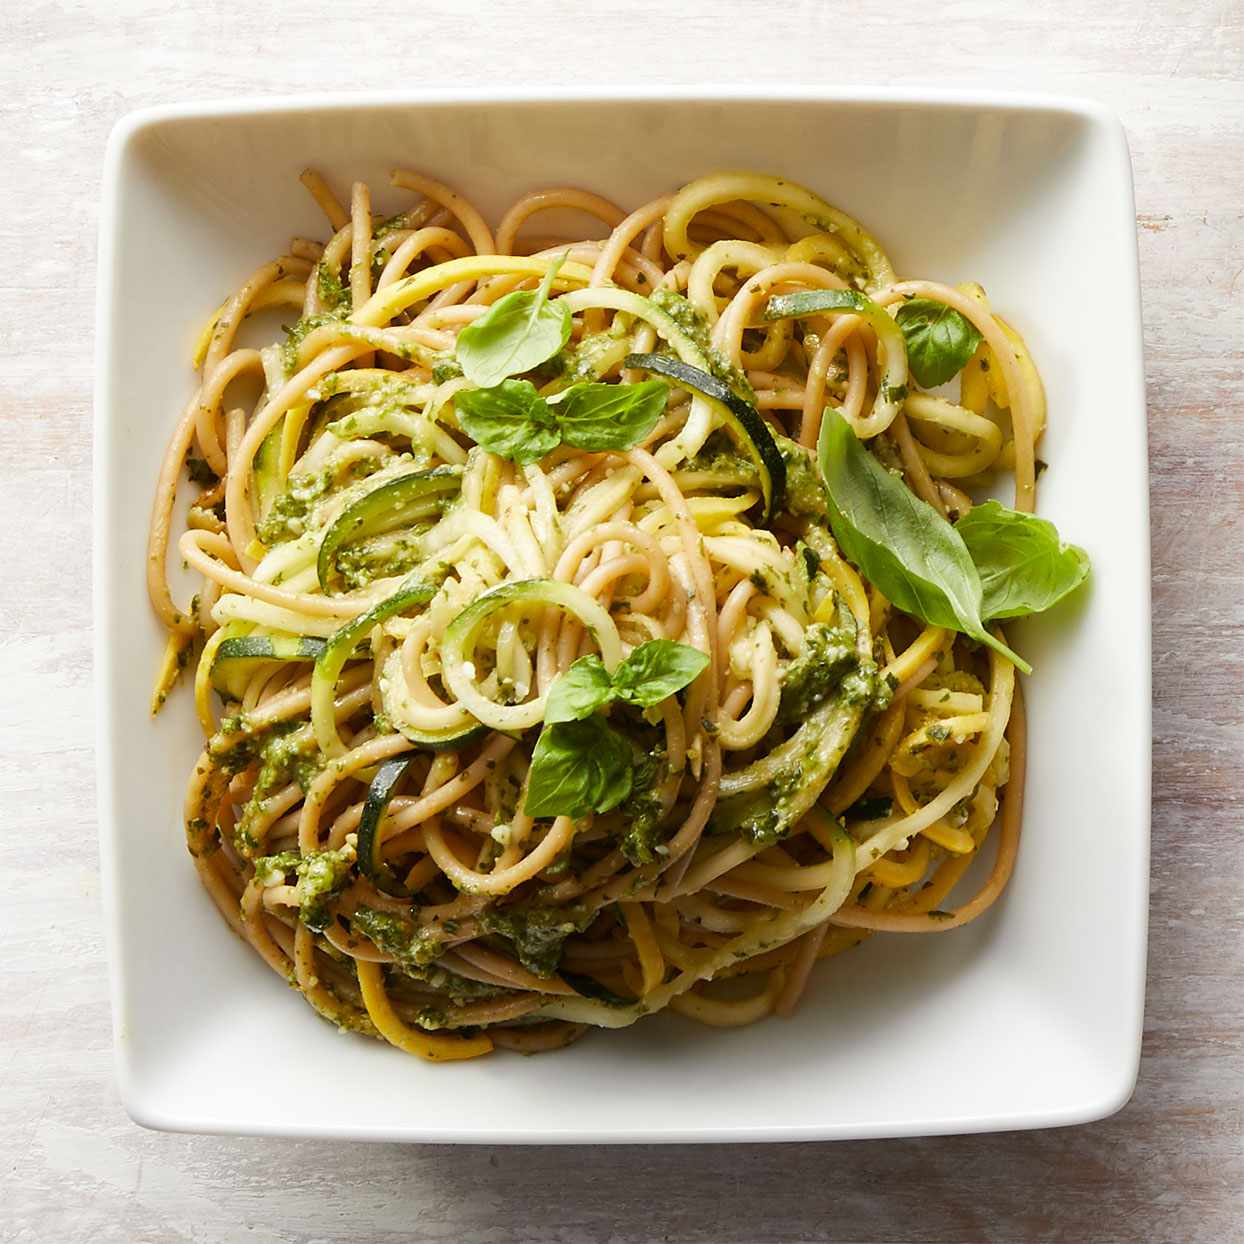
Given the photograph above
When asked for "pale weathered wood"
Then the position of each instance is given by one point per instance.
(1169, 1167)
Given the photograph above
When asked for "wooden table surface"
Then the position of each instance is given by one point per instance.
(1170, 1166)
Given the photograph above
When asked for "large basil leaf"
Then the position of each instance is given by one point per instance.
(1023, 564)
(578, 767)
(912, 554)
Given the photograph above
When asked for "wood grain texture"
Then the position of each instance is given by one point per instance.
(1170, 1166)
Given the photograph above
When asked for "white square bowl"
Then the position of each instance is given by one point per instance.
(1030, 1017)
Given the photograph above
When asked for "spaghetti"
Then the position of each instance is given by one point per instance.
(550, 697)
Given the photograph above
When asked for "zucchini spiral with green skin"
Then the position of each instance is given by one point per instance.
(390, 606)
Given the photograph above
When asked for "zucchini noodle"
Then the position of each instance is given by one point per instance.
(386, 607)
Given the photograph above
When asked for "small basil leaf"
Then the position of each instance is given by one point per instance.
(611, 416)
(939, 340)
(905, 547)
(579, 692)
(578, 767)
(518, 332)
(655, 670)
(1024, 566)
(511, 420)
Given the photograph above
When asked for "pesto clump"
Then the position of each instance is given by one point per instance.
(321, 875)
(285, 753)
(296, 333)
(643, 808)
(447, 370)
(412, 946)
(537, 933)
(287, 519)
(415, 949)
(825, 664)
(381, 557)
(684, 313)
(585, 360)
(805, 494)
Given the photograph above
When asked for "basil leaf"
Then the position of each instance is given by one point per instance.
(655, 670)
(578, 767)
(511, 419)
(939, 340)
(611, 416)
(905, 547)
(1023, 565)
(518, 332)
(579, 692)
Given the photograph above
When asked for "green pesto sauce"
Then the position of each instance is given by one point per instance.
(584, 360)
(334, 292)
(805, 490)
(391, 224)
(414, 949)
(320, 877)
(718, 465)
(412, 946)
(240, 745)
(295, 335)
(380, 557)
(886, 452)
(287, 519)
(448, 370)
(684, 313)
(821, 669)
(285, 757)
(537, 933)
(290, 514)
(820, 741)
(643, 809)
(281, 756)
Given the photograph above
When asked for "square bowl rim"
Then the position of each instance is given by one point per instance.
(1114, 1089)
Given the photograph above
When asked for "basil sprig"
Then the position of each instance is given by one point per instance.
(939, 340)
(512, 420)
(652, 673)
(1023, 564)
(912, 554)
(518, 332)
(580, 764)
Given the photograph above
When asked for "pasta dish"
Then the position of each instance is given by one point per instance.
(594, 625)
